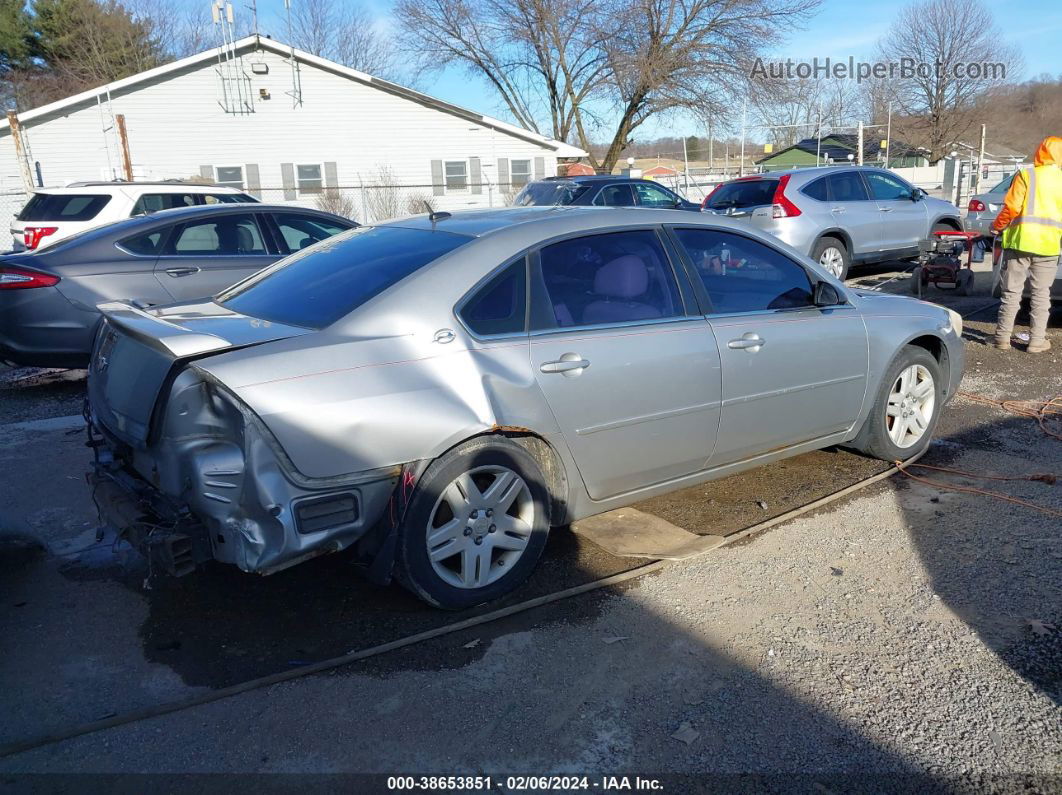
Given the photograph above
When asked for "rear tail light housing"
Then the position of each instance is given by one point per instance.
(782, 207)
(24, 279)
(33, 235)
(976, 206)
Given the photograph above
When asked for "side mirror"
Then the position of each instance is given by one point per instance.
(917, 194)
(826, 294)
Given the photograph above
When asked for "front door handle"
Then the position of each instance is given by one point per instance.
(885, 209)
(748, 341)
(178, 272)
(837, 210)
(569, 364)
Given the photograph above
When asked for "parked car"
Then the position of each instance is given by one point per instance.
(983, 208)
(52, 214)
(837, 215)
(48, 298)
(601, 190)
(438, 392)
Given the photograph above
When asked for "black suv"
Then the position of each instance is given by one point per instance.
(602, 190)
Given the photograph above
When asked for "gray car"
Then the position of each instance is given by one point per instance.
(48, 298)
(438, 392)
(837, 215)
(983, 208)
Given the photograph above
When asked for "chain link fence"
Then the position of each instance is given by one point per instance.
(11, 204)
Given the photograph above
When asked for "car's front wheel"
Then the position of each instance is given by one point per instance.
(906, 410)
(476, 525)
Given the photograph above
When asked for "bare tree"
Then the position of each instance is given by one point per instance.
(561, 66)
(333, 200)
(384, 196)
(791, 110)
(944, 39)
(342, 32)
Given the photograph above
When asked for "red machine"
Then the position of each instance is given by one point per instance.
(940, 262)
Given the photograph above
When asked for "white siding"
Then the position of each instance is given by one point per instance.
(175, 125)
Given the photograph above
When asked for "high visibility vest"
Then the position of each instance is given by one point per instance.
(1038, 230)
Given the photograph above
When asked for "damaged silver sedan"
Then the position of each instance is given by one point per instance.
(436, 393)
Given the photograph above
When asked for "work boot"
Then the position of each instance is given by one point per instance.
(1041, 346)
(1002, 343)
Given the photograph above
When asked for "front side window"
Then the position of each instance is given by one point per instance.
(230, 176)
(652, 196)
(519, 172)
(300, 230)
(309, 179)
(227, 235)
(615, 196)
(317, 286)
(153, 202)
(744, 275)
(847, 186)
(884, 187)
(500, 305)
(619, 277)
(456, 175)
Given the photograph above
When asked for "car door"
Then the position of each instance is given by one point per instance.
(904, 221)
(791, 372)
(212, 252)
(854, 212)
(631, 377)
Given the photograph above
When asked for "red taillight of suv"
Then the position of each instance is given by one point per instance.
(782, 207)
(976, 206)
(24, 279)
(33, 235)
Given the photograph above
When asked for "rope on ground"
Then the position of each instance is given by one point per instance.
(1042, 411)
(940, 484)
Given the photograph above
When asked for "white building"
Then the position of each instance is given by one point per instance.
(286, 126)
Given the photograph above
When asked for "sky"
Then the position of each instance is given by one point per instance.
(839, 29)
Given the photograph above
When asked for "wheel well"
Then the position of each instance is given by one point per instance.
(548, 461)
(838, 235)
(936, 348)
(952, 222)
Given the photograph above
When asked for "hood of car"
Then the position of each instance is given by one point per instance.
(138, 351)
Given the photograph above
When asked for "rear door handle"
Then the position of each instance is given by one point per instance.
(747, 342)
(177, 272)
(569, 364)
(885, 209)
(837, 210)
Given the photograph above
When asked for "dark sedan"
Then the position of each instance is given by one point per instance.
(601, 190)
(48, 299)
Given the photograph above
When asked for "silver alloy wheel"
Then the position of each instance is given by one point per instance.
(912, 400)
(480, 526)
(832, 259)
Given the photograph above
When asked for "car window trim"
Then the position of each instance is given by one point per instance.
(534, 262)
(473, 291)
(270, 251)
(702, 293)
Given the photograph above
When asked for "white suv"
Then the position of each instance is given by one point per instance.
(52, 214)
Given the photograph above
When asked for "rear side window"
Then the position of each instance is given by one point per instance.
(153, 202)
(816, 190)
(500, 305)
(549, 194)
(317, 286)
(847, 186)
(300, 230)
(63, 207)
(743, 193)
(147, 244)
(226, 198)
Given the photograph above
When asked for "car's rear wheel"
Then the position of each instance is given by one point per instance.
(906, 410)
(832, 254)
(476, 525)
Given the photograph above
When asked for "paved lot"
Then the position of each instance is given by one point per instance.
(906, 629)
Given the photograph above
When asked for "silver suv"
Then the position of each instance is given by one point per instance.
(837, 215)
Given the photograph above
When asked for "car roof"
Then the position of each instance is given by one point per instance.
(580, 178)
(167, 186)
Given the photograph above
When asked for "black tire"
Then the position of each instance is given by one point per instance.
(415, 569)
(916, 281)
(964, 280)
(833, 242)
(874, 439)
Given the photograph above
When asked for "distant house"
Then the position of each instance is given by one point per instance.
(284, 125)
(575, 170)
(836, 148)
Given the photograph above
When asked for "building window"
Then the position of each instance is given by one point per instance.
(520, 172)
(309, 179)
(456, 175)
(229, 176)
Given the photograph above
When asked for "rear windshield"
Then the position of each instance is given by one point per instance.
(320, 284)
(63, 207)
(743, 193)
(548, 194)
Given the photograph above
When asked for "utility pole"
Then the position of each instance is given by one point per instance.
(685, 165)
(20, 151)
(860, 144)
(711, 161)
(818, 136)
(975, 180)
(888, 136)
(741, 164)
(123, 139)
